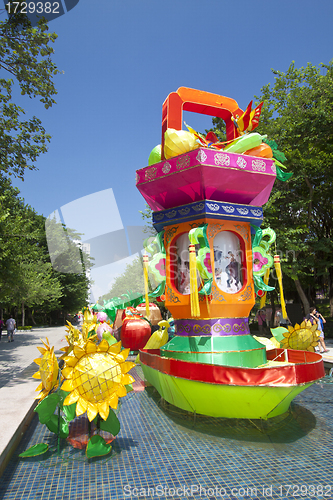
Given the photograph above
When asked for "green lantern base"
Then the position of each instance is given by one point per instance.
(232, 350)
(227, 401)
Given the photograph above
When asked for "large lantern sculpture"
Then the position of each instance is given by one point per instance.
(204, 203)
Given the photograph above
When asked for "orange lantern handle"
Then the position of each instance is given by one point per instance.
(201, 102)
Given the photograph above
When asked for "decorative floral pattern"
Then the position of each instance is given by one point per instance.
(247, 294)
(201, 156)
(207, 262)
(158, 216)
(228, 208)
(166, 167)
(198, 207)
(241, 162)
(256, 212)
(171, 297)
(169, 234)
(242, 211)
(172, 214)
(137, 178)
(213, 206)
(183, 162)
(184, 211)
(160, 266)
(150, 173)
(213, 229)
(261, 260)
(222, 159)
(273, 168)
(259, 165)
(216, 295)
(243, 231)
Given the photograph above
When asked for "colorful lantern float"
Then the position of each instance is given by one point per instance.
(205, 198)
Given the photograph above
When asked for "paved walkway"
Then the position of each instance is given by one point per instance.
(17, 388)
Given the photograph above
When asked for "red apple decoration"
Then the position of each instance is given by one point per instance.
(135, 332)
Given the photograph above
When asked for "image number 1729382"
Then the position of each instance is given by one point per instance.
(36, 9)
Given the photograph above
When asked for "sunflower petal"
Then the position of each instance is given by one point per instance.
(38, 361)
(127, 366)
(72, 397)
(39, 387)
(37, 375)
(115, 348)
(90, 347)
(103, 346)
(81, 406)
(121, 357)
(41, 349)
(92, 411)
(70, 360)
(113, 401)
(67, 386)
(79, 352)
(103, 409)
(127, 379)
(67, 371)
(121, 391)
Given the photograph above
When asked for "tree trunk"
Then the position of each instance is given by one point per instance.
(32, 318)
(303, 297)
(23, 314)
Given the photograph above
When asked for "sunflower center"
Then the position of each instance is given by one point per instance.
(96, 376)
(301, 339)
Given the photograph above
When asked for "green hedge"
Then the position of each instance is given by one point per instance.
(24, 327)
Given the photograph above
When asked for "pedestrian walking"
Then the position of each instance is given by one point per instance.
(2, 324)
(320, 325)
(10, 325)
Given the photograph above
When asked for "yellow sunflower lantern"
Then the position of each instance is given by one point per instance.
(96, 378)
(303, 337)
(48, 370)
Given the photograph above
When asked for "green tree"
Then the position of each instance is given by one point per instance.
(130, 280)
(26, 57)
(298, 115)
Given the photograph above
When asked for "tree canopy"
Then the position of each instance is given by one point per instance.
(25, 60)
(298, 115)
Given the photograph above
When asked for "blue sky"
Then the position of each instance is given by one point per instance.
(121, 58)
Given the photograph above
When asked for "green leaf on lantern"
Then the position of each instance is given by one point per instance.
(52, 425)
(111, 424)
(97, 447)
(46, 407)
(278, 333)
(129, 387)
(282, 176)
(34, 451)
(69, 410)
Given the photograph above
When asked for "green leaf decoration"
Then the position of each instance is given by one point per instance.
(207, 288)
(129, 387)
(34, 451)
(111, 424)
(278, 155)
(278, 333)
(109, 338)
(159, 290)
(52, 425)
(282, 176)
(97, 447)
(259, 284)
(258, 235)
(46, 407)
(70, 410)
